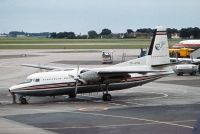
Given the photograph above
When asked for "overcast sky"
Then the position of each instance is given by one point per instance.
(80, 16)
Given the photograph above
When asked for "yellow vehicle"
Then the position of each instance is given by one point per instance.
(180, 52)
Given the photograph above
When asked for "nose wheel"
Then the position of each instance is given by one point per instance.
(23, 100)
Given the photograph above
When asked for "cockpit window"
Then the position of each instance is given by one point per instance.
(83, 71)
(27, 81)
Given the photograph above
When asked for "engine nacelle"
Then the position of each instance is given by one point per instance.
(90, 76)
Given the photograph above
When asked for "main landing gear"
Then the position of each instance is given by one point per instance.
(23, 100)
(106, 96)
(72, 95)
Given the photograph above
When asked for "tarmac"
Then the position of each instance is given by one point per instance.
(170, 105)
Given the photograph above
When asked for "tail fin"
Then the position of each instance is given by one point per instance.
(158, 53)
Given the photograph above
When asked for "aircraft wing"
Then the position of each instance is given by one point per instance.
(111, 74)
(125, 71)
(45, 67)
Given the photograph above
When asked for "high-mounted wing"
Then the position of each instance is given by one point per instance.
(99, 74)
(126, 70)
(112, 73)
(45, 67)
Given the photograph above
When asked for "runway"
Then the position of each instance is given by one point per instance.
(170, 105)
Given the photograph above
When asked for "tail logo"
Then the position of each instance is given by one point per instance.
(159, 45)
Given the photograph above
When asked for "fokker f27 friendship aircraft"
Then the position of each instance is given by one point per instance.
(83, 80)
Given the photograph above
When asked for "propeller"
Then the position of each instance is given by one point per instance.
(177, 58)
(192, 61)
(77, 79)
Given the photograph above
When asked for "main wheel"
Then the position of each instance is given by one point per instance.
(72, 95)
(23, 100)
(106, 97)
(193, 73)
(180, 74)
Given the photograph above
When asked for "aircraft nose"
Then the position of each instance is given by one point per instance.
(12, 88)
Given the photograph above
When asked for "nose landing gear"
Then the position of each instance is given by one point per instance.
(13, 98)
(23, 100)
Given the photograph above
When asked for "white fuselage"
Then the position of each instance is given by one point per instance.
(63, 82)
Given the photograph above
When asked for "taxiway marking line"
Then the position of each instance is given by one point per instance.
(116, 125)
(95, 109)
(164, 96)
(88, 127)
(123, 105)
(184, 121)
(173, 123)
(116, 104)
(134, 118)
(111, 103)
(103, 126)
(133, 103)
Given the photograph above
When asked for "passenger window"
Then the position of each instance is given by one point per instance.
(37, 80)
